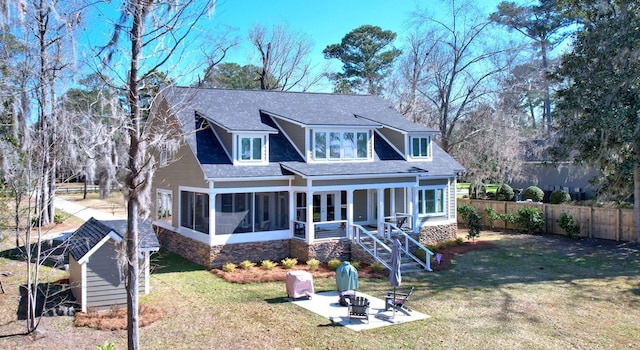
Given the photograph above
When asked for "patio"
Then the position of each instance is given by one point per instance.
(326, 305)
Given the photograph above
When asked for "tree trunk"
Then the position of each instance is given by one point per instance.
(636, 198)
(134, 178)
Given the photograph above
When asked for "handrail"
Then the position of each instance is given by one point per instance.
(405, 247)
(377, 243)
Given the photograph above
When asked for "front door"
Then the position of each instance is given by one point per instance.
(326, 206)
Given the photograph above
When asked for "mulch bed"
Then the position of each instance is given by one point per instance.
(259, 275)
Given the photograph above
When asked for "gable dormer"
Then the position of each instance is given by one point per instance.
(418, 147)
(340, 144)
(250, 148)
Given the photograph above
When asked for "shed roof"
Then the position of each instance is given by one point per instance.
(93, 232)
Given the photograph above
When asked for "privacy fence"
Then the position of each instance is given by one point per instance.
(605, 223)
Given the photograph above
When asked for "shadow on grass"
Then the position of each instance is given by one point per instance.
(165, 261)
(279, 300)
(531, 259)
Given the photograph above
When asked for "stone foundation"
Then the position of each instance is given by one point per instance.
(438, 233)
(190, 249)
(323, 251)
(342, 249)
(254, 252)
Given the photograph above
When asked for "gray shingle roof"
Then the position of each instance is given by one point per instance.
(239, 110)
(93, 231)
(248, 110)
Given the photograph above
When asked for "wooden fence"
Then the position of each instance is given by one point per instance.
(605, 223)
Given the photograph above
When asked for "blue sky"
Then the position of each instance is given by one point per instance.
(325, 22)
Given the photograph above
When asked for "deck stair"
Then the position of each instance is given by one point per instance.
(379, 247)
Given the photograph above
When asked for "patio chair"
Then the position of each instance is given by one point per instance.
(359, 307)
(398, 301)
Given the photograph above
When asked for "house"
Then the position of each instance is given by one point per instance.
(96, 271)
(270, 174)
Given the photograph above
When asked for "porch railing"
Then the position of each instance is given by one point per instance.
(405, 218)
(409, 245)
(372, 245)
(322, 230)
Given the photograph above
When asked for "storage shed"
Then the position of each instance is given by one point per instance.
(96, 274)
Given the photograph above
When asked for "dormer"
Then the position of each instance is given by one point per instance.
(418, 147)
(250, 148)
(331, 144)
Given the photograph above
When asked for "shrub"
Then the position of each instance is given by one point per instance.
(504, 193)
(508, 218)
(229, 267)
(377, 267)
(559, 197)
(570, 226)
(471, 220)
(58, 219)
(492, 216)
(289, 263)
(313, 264)
(534, 193)
(356, 264)
(334, 264)
(267, 264)
(246, 265)
(530, 219)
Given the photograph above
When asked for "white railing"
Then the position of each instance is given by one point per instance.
(322, 230)
(408, 244)
(377, 248)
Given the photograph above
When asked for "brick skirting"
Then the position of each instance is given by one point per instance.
(342, 249)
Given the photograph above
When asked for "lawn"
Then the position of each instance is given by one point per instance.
(529, 292)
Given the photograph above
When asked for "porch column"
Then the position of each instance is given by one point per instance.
(292, 213)
(392, 202)
(310, 236)
(212, 212)
(381, 211)
(414, 208)
(349, 213)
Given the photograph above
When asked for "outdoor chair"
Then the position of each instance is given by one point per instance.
(359, 307)
(398, 301)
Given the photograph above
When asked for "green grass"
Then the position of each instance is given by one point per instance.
(530, 292)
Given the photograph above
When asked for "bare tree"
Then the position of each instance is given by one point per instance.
(284, 61)
(153, 32)
(460, 62)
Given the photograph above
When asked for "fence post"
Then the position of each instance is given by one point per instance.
(618, 228)
(590, 222)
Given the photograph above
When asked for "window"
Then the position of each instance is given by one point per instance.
(336, 145)
(431, 200)
(164, 205)
(251, 212)
(194, 211)
(420, 147)
(163, 156)
(251, 148)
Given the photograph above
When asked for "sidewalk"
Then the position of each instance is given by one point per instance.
(82, 212)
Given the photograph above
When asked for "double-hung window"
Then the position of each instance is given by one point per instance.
(252, 149)
(420, 147)
(431, 200)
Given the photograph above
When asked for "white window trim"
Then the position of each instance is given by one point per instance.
(237, 149)
(444, 200)
(410, 155)
(312, 150)
(160, 191)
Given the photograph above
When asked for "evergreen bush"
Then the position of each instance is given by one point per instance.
(505, 193)
(534, 193)
(530, 220)
(559, 197)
